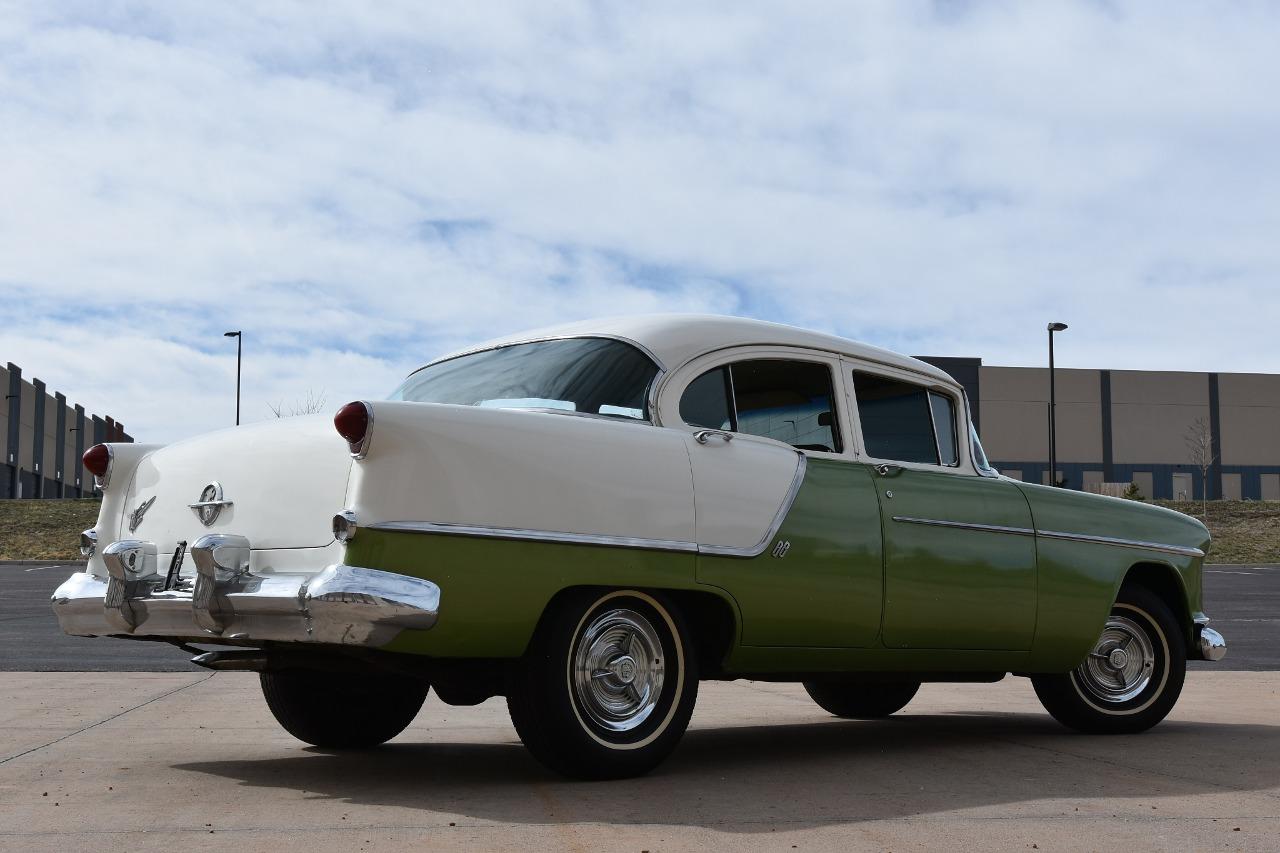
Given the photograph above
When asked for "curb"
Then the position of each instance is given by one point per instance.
(24, 563)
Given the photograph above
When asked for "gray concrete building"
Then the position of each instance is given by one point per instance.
(44, 437)
(1129, 426)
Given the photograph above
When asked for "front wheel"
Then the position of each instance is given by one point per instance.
(607, 686)
(1131, 677)
(340, 711)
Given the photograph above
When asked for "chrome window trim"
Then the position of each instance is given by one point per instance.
(651, 393)
(955, 439)
(739, 353)
(565, 538)
(1180, 550)
(965, 525)
(802, 466)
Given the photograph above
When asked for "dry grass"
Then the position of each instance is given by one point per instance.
(1243, 531)
(45, 530)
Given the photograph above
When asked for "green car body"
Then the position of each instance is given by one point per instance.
(936, 599)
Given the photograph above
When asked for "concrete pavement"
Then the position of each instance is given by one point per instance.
(181, 761)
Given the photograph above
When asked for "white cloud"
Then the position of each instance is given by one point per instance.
(360, 189)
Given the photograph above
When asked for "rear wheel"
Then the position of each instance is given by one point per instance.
(1131, 677)
(341, 712)
(607, 686)
(855, 701)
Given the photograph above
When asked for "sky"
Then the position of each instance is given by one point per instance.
(361, 187)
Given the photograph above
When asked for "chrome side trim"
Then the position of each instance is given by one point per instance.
(964, 525)
(1054, 534)
(521, 534)
(1180, 550)
(756, 550)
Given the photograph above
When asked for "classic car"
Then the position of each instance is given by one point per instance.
(591, 519)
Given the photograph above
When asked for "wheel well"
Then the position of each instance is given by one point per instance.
(1164, 582)
(709, 618)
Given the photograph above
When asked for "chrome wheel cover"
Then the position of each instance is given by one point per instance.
(1121, 664)
(618, 669)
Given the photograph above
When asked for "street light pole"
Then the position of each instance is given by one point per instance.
(239, 341)
(1053, 408)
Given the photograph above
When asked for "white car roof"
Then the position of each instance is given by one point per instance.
(676, 338)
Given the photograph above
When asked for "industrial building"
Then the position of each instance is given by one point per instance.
(1113, 426)
(44, 439)
(1129, 426)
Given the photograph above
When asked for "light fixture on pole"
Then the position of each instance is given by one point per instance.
(239, 341)
(1053, 403)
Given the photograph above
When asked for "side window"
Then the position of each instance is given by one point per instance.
(791, 401)
(944, 425)
(905, 422)
(705, 402)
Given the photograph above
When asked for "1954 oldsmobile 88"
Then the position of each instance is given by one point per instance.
(591, 519)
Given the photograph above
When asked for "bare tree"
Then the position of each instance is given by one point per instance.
(1199, 441)
(312, 404)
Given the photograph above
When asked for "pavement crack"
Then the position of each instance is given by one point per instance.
(105, 720)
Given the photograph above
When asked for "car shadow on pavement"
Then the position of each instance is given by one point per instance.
(754, 779)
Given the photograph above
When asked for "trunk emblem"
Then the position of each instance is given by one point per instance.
(210, 505)
(135, 517)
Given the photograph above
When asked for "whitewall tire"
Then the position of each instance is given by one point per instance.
(607, 685)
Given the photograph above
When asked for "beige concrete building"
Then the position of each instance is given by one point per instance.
(1123, 426)
(44, 438)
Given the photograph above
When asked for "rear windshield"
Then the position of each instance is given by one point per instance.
(595, 376)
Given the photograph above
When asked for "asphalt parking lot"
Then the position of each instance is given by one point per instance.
(1243, 601)
(165, 760)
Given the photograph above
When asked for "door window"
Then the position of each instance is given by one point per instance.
(791, 401)
(906, 422)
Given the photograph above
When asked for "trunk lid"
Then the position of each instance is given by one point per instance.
(284, 479)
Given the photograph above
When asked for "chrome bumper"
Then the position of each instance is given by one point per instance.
(1210, 645)
(344, 605)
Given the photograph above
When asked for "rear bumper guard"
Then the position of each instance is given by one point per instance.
(343, 605)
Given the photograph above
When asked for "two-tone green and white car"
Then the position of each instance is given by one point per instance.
(592, 519)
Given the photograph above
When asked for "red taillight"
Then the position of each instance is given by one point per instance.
(97, 459)
(352, 422)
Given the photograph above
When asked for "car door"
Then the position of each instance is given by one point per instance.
(786, 522)
(959, 549)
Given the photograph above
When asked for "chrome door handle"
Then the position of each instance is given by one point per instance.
(702, 436)
(886, 470)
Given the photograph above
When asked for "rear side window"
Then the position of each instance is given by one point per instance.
(905, 422)
(791, 401)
